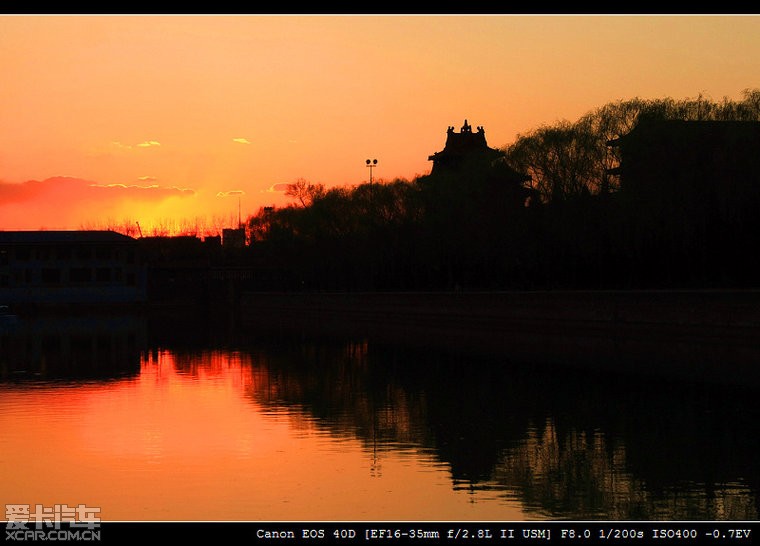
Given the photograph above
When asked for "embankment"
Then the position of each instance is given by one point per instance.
(694, 335)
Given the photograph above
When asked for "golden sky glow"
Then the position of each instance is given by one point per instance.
(179, 118)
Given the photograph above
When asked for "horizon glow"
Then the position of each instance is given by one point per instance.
(179, 120)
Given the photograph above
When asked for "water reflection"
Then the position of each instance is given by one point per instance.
(54, 346)
(568, 444)
(214, 422)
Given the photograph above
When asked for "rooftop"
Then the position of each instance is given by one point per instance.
(689, 129)
(56, 237)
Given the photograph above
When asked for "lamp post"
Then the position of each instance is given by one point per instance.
(371, 163)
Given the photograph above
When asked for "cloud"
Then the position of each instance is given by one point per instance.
(124, 186)
(145, 144)
(276, 188)
(65, 202)
(230, 193)
(146, 178)
(76, 189)
(161, 189)
(241, 140)
(16, 193)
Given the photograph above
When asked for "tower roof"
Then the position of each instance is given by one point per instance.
(465, 145)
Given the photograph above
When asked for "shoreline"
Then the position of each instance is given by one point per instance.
(711, 336)
(696, 335)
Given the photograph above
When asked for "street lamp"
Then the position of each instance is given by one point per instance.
(371, 163)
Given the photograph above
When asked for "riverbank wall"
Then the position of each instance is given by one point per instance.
(711, 336)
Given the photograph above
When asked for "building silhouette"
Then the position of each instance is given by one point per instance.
(716, 162)
(690, 191)
(234, 237)
(468, 151)
(63, 267)
(467, 158)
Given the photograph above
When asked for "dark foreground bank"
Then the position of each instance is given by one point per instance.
(693, 335)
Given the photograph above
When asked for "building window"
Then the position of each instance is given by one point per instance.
(103, 274)
(51, 275)
(43, 253)
(23, 254)
(63, 253)
(103, 253)
(80, 274)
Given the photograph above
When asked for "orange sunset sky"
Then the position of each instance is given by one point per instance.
(172, 120)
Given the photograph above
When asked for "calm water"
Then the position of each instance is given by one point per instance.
(177, 418)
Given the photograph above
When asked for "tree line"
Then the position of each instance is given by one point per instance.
(571, 226)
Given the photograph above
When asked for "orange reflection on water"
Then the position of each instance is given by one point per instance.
(187, 439)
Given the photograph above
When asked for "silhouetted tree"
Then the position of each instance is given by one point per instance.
(305, 191)
(470, 227)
